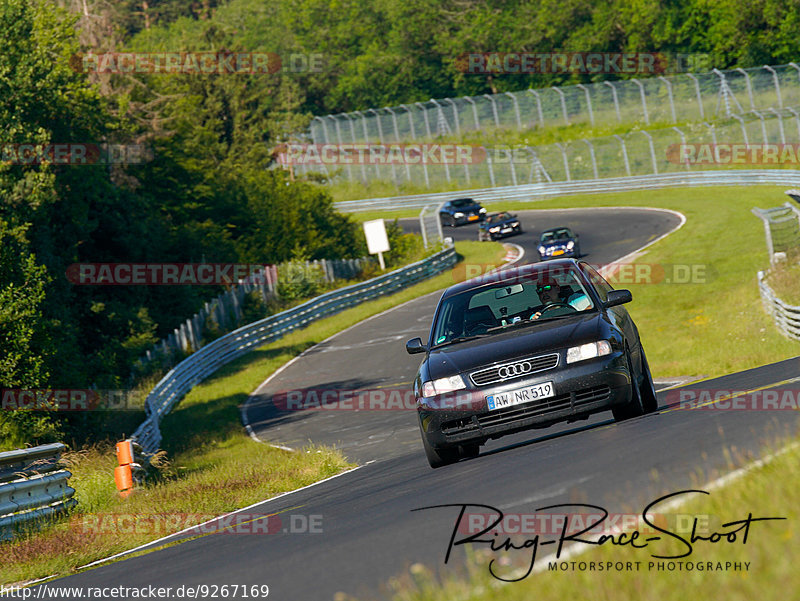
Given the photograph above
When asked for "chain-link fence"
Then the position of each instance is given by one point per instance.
(672, 100)
(781, 227)
(733, 142)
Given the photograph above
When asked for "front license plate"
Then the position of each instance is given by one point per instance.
(473, 217)
(558, 252)
(506, 230)
(520, 396)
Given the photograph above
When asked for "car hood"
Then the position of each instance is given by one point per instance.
(556, 243)
(541, 338)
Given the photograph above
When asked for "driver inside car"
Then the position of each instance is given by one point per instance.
(550, 294)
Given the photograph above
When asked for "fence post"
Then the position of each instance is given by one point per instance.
(516, 109)
(796, 120)
(474, 112)
(699, 96)
(652, 152)
(594, 160)
(669, 95)
(644, 100)
(588, 102)
(353, 137)
(777, 84)
(683, 144)
(749, 87)
(410, 121)
(624, 154)
(494, 109)
(566, 162)
(763, 126)
(538, 106)
(616, 100)
(780, 124)
(455, 115)
(563, 104)
(421, 107)
(744, 129)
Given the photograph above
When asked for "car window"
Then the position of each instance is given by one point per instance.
(598, 281)
(464, 202)
(489, 309)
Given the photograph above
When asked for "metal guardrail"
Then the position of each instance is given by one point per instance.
(225, 349)
(535, 192)
(33, 487)
(786, 317)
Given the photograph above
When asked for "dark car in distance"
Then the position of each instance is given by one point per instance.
(526, 348)
(559, 242)
(499, 225)
(461, 211)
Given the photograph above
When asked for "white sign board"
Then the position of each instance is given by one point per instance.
(377, 241)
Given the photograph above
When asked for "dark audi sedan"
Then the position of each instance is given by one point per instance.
(526, 348)
(461, 211)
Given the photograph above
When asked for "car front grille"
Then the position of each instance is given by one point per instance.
(542, 407)
(513, 369)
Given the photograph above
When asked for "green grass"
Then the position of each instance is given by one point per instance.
(784, 279)
(213, 466)
(771, 550)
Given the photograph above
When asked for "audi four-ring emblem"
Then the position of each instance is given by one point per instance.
(513, 370)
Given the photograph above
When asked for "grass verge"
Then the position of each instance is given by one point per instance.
(769, 552)
(214, 467)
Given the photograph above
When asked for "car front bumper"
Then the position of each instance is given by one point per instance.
(581, 389)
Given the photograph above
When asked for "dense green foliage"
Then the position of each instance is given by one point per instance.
(205, 191)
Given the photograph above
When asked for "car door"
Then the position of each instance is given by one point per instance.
(618, 315)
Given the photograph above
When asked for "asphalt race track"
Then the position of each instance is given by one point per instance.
(368, 531)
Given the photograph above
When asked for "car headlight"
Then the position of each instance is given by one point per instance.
(458, 214)
(482, 210)
(588, 351)
(542, 249)
(515, 224)
(443, 386)
(495, 228)
(570, 244)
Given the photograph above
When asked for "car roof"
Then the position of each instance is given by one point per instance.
(512, 274)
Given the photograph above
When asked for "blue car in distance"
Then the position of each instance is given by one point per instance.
(558, 243)
(461, 211)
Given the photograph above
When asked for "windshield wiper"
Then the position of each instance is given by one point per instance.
(461, 339)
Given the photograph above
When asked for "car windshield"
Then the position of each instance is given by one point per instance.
(463, 202)
(525, 300)
(499, 217)
(555, 236)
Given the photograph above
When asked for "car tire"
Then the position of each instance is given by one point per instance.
(634, 407)
(470, 450)
(480, 236)
(440, 457)
(647, 391)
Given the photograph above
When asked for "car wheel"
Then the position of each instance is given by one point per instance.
(634, 408)
(647, 391)
(453, 222)
(578, 251)
(480, 236)
(440, 457)
(470, 451)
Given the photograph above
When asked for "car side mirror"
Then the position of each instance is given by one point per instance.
(415, 346)
(618, 297)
